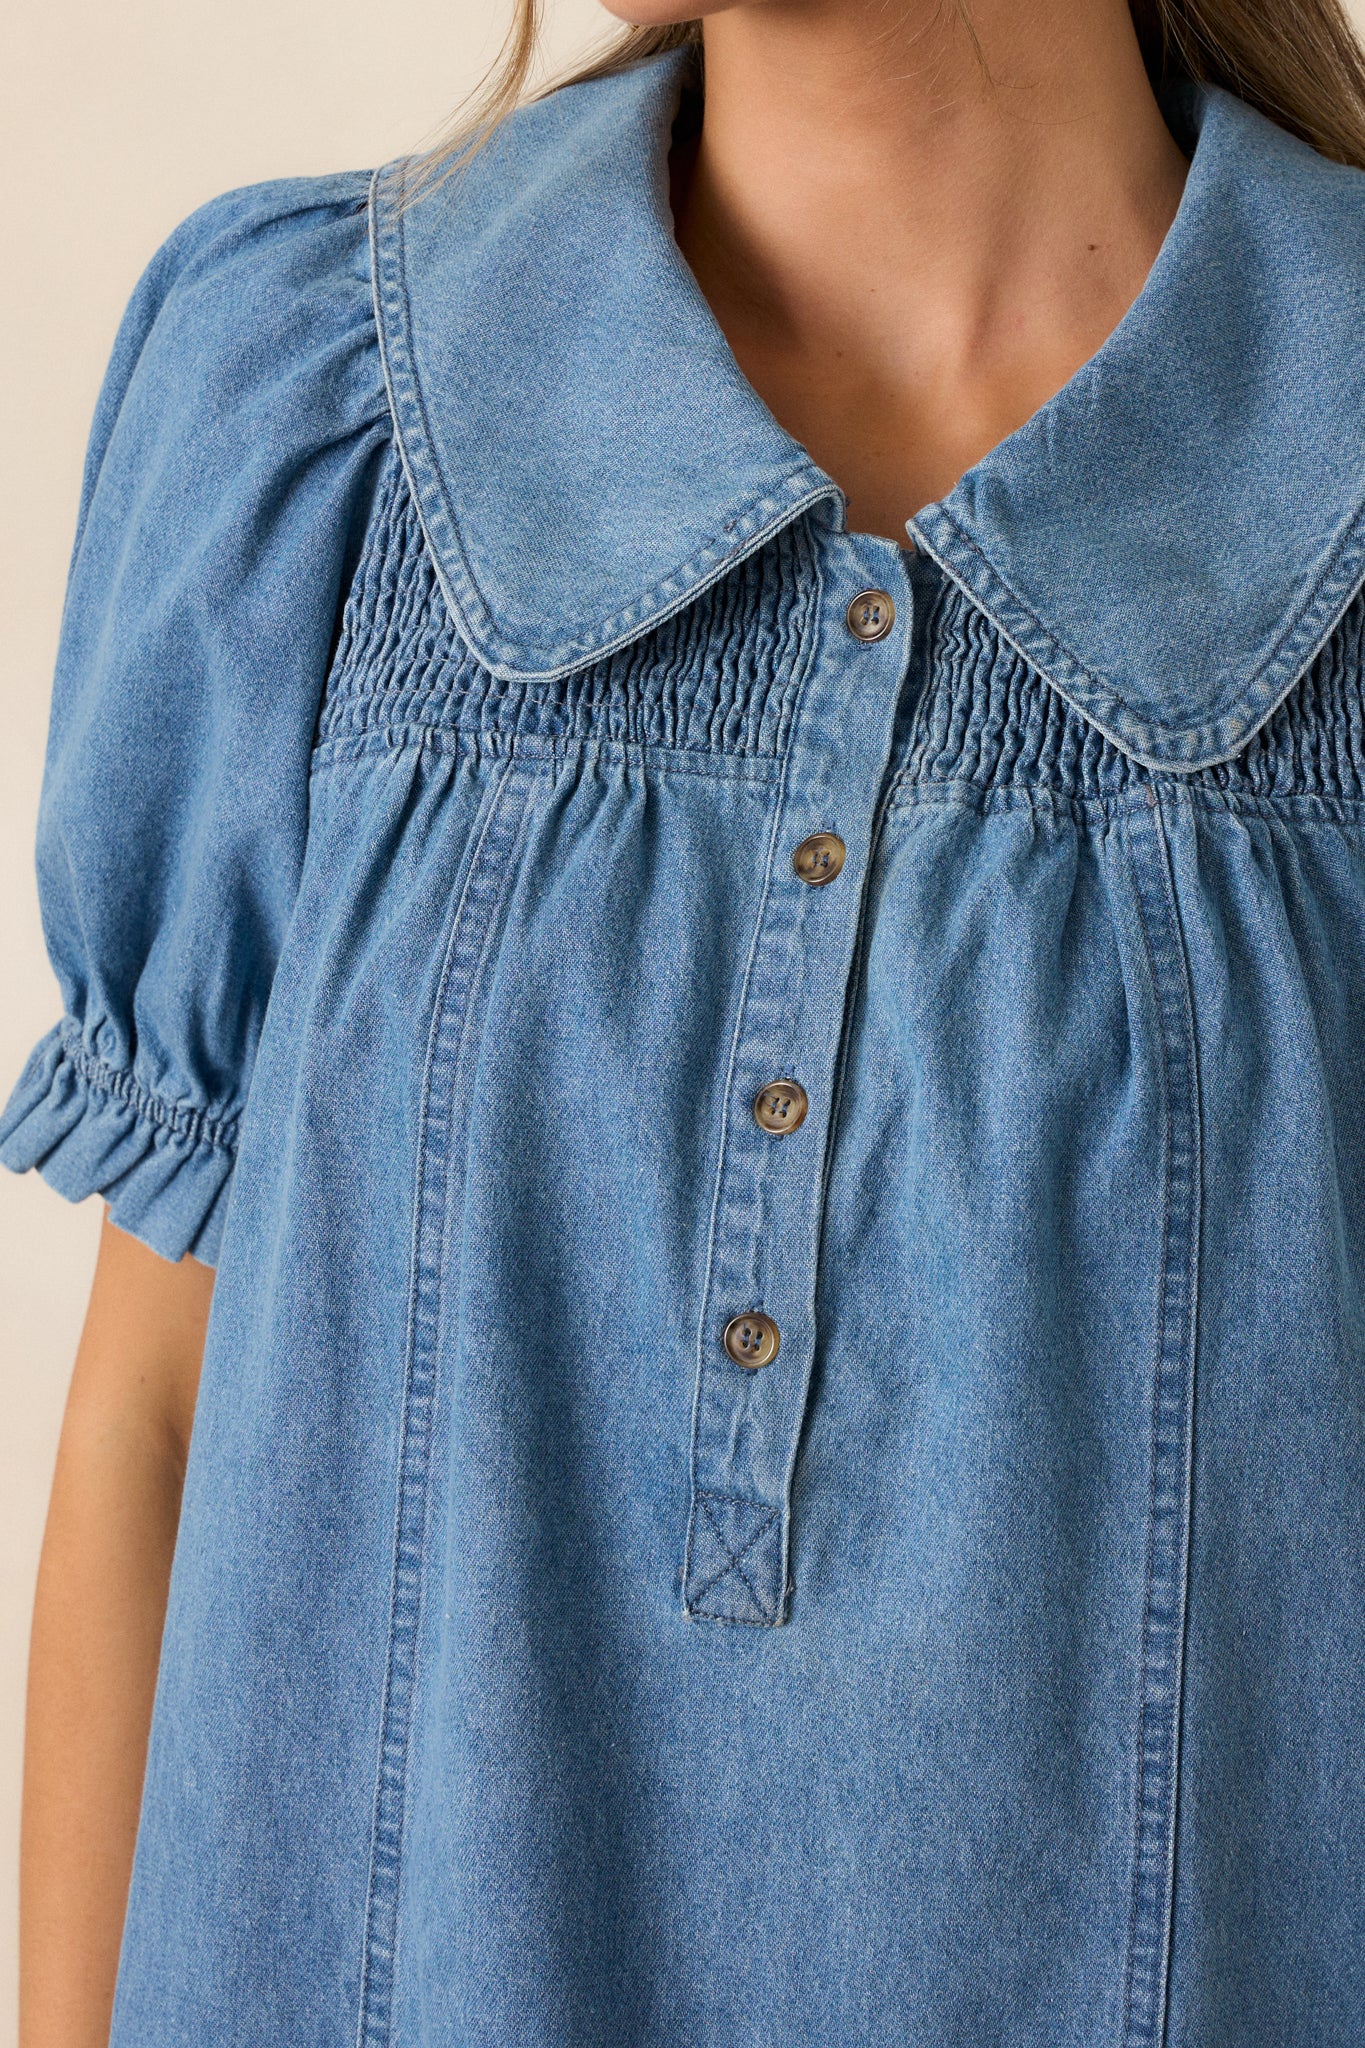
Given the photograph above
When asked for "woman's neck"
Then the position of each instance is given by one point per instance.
(913, 233)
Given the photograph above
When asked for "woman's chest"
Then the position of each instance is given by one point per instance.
(811, 960)
(797, 1225)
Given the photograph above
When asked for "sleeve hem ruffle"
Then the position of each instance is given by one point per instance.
(91, 1129)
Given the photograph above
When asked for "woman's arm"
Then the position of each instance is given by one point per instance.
(97, 1621)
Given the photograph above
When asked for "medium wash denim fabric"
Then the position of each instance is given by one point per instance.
(455, 653)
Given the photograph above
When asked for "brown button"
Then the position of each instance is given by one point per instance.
(752, 1340)
(871, 615)
(781, 1106)
(819, 858)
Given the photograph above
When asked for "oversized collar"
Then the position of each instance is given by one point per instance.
(1168, 541)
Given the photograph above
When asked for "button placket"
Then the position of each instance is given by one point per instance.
(764, 1241)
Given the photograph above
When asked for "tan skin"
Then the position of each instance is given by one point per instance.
(910, 244)
(911, 241)
(101, 1601)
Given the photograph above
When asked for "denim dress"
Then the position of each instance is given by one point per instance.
(781, 1121)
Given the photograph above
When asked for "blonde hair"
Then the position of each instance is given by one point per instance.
(1296, 61)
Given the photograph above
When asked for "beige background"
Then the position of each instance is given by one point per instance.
(116, 121)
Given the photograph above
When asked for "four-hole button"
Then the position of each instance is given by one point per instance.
(871, 615)
(752, 1340)
(818, 859)
(781, 1106)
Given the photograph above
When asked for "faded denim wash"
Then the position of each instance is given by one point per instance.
(455, 653)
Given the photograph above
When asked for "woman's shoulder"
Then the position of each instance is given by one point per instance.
(275, 201)
(249, 339)
(263, 260)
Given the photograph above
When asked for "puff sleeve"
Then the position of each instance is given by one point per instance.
(232, 459)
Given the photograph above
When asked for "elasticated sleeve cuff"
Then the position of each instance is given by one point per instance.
(90, 1129)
